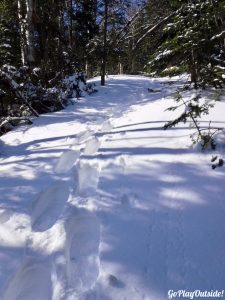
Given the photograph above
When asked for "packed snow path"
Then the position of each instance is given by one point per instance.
(98, 202)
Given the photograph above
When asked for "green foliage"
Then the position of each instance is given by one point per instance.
(194, 39)
(9, 34)
(194, 108)
(173, 71)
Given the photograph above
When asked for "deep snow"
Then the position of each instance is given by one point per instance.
(98, 202)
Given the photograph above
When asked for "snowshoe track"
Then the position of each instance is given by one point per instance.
(34, 278)
(49, 203)
(66, 161)
(88, 178)
(92, 146)
(82, 250)
(76, 265)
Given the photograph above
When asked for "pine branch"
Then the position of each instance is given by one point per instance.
(152, 29)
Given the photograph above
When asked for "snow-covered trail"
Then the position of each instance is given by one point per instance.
(98, 202)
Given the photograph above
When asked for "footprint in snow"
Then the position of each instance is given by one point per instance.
(88, 177)
(115, 282)
(92, 145)
(48, 206)
(129, 200)
(84, 135)
(33, 280)
(82, 250)
(106, 126)
(66, 161)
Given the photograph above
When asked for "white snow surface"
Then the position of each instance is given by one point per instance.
(98, 202)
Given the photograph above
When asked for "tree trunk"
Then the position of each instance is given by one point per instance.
(22, 31)
(193, 69)
(120, 66)
(30, 32)
(104, 54)
(71, 23)
(25, 14)
(87, 68)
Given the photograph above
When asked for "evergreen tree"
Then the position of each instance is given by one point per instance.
(85, 28)
(9, 34)
(193, 40)
(144, 33)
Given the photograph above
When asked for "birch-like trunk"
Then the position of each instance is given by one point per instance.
(120, 66)
(22, 31)
(25, 13)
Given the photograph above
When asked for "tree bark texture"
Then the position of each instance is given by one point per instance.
(104, 54)
(25, 15)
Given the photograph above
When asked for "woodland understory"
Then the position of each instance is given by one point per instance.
(49, 49)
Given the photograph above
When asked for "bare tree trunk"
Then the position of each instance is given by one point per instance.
(25, 13)
(87, 68)
(104, 55)
(22, 31)
(131, 54)
(70, 13)
(193, 69)
(30, 32)
(120, 66)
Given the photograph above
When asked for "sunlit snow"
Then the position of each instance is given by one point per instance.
(99, 202)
